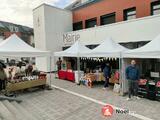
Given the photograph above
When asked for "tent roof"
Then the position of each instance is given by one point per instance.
(76, 50)
(108, 48)
(150, 50)
(15, 47)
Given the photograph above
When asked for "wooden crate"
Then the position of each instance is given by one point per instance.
(24, 85)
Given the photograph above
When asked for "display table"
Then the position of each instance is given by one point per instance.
(66, 75)
(90, 77)
(62, 74)
(25, 84)
(70, 76)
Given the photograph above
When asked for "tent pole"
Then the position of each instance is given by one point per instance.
(123, 78)
(78, 68)
(50, 76)
(50, 69)
(121, 74)
(120, 77)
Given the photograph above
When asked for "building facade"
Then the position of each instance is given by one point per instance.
(131, 23)
(100, 12)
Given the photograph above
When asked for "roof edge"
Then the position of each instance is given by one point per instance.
(44, 4)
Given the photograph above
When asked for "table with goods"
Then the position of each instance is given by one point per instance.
(21, 81)
(89, 78)
(149, 88)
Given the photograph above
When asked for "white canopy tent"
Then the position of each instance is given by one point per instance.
(150, 50)
(15, 47)
(76, 50)
(108, 48)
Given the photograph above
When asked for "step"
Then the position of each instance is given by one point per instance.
(34, 109)
(5, 113)
(10, 99)
(14, 110)
(28, 115)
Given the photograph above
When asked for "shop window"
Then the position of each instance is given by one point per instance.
(155, 8)
(77, 26)
(91, 23)
(130, 13)
(108, 19)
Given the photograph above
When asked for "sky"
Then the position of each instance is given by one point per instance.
(20, 11)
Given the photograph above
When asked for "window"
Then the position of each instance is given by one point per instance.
(15, 29)
(108, 19)
(11, 28)
(130, 13)
(77, 26)
(155, 8)
(91, 23)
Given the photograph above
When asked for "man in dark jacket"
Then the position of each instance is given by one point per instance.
(132, 75)
(3, 78)
(107, 74)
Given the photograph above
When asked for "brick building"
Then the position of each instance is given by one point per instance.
(25, 33)
(131, 23)
(90, 13)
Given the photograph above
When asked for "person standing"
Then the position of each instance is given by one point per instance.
(3, 78)
(59, 62)
(107, 74)
(132, 75)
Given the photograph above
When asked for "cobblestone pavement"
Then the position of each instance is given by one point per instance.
(59, 105)
(143, 106)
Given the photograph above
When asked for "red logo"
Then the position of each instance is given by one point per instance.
(107, 110)
(158, 84)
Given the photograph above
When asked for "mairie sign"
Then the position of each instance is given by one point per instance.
(69, 39)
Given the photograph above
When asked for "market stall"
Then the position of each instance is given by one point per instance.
(109, 48)
(76, 50)
(15, 47)
(149, 52)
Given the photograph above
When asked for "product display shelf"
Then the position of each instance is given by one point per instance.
(11, 87)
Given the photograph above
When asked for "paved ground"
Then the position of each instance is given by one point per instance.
(143, 107)
(59, 105)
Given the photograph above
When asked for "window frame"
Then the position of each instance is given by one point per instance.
(107, 16)
(92, 19)
(154, 4)
(126, 11)
(80, 22)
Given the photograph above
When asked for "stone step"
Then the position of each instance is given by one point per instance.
(10, 99)
(34, 109)
(5, 114)
(27, 114)
(14, 110)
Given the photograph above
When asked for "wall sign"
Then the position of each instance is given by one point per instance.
(69, 39)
